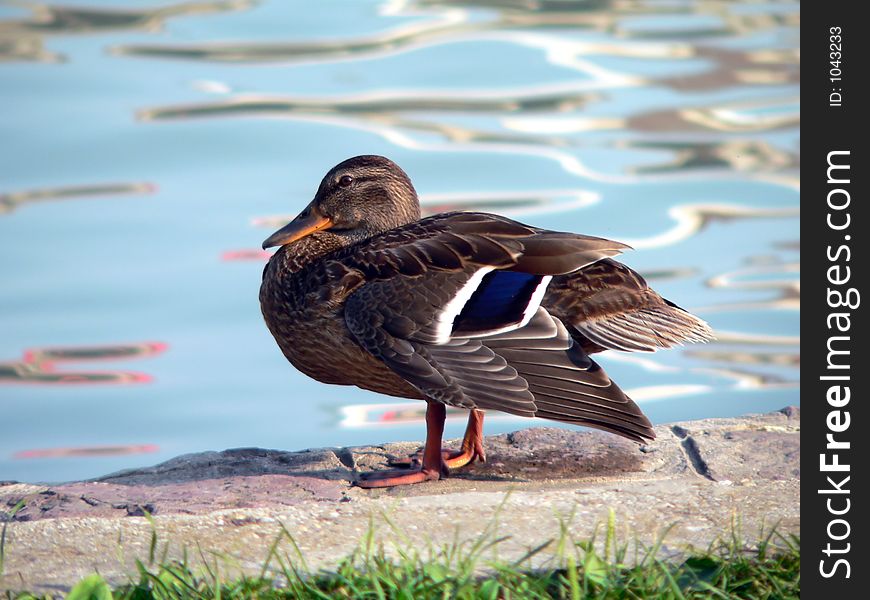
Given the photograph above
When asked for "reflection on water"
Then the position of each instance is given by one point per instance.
(732, 117)
(751, 339)
(380, 109)
(12, 200)
(671, 126)
(693, 219)
(753, 381)
(23, 39)
(40, 365)
(787, 291)
(370, 106)
(521, 23)
(734, 67)
(739, 155)
(86, 451)
(784, 359)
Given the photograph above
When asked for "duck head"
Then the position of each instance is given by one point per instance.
(360, 197)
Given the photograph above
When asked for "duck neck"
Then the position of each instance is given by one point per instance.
(295, 256)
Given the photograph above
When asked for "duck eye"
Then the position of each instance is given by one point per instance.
(345, 180)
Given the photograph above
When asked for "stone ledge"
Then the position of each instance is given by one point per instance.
(698, 474)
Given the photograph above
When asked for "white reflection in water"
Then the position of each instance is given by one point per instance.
(692, 219)
(385, 414)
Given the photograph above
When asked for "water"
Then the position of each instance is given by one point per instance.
(148, 149)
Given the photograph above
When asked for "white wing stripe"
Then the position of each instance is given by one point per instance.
(535, 300)
(444, 320)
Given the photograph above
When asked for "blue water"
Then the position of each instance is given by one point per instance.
(148, 148)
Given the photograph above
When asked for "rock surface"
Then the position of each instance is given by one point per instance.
(698, 476)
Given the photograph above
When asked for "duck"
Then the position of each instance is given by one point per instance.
(465, 309)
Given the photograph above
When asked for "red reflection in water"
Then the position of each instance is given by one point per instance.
(86, 451)
(246, 254)
(39, 365)
(413, 415)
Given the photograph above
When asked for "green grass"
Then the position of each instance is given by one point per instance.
(607, 569)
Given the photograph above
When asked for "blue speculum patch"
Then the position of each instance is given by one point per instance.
(500, 300)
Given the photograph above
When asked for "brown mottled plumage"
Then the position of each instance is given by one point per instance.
(464, 309)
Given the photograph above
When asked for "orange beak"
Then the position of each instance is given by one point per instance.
(308, 221)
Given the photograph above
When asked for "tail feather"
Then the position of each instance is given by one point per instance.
(566, 384)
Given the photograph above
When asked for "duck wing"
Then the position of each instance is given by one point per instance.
(608, 306)
(452, 305)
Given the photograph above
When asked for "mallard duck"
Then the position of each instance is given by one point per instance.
(466, 309)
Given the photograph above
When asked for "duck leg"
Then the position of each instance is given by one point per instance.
(471, 449)
(433, 466)
(472, 443)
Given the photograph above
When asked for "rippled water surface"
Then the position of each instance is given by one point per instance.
(149, 147)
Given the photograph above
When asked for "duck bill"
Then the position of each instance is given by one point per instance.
(305, 224)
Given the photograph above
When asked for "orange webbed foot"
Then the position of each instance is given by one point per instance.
(395, 477)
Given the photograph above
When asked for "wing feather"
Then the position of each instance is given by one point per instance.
(608, 306)
(517, 359)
